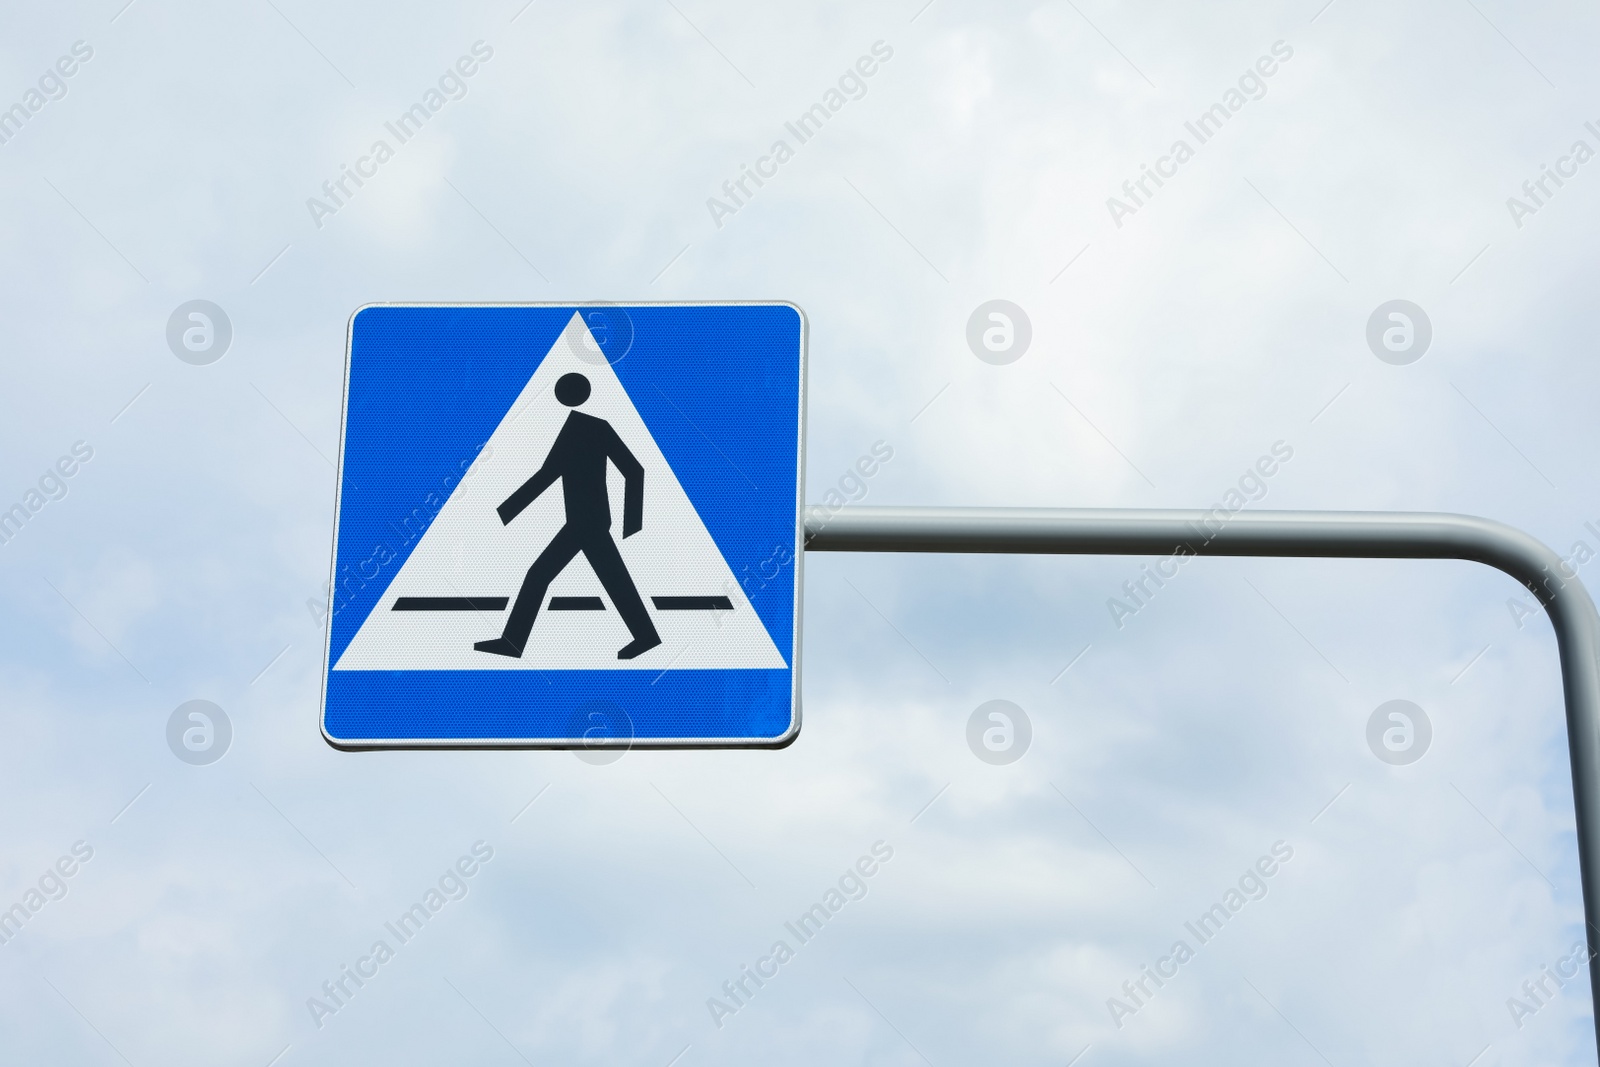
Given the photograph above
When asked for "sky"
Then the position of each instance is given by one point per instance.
(1179, 334)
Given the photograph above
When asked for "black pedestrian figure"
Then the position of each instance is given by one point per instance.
(578, 458)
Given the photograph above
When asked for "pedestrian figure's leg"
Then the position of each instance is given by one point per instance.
(603, 556)
(562, 548)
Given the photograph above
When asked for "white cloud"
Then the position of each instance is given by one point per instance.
(1193, 337)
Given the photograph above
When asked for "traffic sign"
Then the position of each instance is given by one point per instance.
(558, 526)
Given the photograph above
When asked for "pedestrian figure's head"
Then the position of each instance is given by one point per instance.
(572, 389)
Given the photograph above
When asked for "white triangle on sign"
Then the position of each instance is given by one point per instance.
(468, 553)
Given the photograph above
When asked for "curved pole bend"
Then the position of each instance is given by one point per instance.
(1344, 534)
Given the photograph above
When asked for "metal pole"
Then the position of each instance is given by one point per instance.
(1344, 534)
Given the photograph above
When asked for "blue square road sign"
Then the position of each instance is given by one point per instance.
(568, 526)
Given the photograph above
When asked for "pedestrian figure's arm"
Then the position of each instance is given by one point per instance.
(633, 485)
(528, 493)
